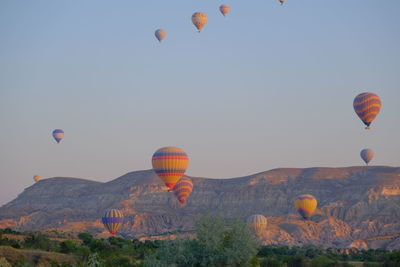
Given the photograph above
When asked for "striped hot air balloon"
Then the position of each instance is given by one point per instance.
(367, 155)
(58, 135)
(257, 223)
(37, 178)
(112, 220)
(199, 19)
(305, 205)
(367, 107)
(170, 164)
(182, 189)
(224, 9)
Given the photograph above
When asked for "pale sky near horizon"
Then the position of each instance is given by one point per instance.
(267, 86)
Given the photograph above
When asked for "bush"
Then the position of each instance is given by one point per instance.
(68, 247)
(271, 262)
(322, 261)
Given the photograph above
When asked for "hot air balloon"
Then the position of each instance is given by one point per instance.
(367, 107)
(282, 1)
(58, 135)
(160, 34)
(199, 19)
(170, 164)
(37, 178)
(224, 9)
(305, 205)
(112, 220)
(182, 189)
(367, 155)
(257, 223)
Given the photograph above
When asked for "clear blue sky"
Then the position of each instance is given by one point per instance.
(265, 87)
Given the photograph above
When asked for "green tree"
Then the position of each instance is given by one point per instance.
(215, 245)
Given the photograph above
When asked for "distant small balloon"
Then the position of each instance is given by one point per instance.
(257, 223)
(305, 205)
(367, 107)
(367, 155)
(199, 19)
(160, 34)
(224, 9)
(58, 135)
(182, 189)
(113, 220)
(37, 178)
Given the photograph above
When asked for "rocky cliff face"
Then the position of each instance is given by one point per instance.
(357, 206)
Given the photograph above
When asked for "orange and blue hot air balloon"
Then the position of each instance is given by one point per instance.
(305, 205)
(182, 189)
(58, 135)
(367, 155)
(113, 220)
(367, 107)
(37, 178)
(170, 164)
(160, 34)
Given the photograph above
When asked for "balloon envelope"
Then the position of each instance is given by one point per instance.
(199, 19)
(112, 220)
(170, 164)
(58, 135)
(367, 155)
(257, 223)
(367, 107)
(37, 178)
(224, 9)
(305, 205)
(160, 34)
(182, 189)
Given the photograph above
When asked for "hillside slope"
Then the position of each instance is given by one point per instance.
(357, 206)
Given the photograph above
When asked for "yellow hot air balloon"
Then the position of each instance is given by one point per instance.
(37, 178)
(160, 34)
(170, 164)
(199, 19)
(224, 9)
(113, 220)
(257, 223)
(305, 205)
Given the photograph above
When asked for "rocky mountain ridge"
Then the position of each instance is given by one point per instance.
(357, 206)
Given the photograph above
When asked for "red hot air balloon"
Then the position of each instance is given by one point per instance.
(182, 189)
(367, 107)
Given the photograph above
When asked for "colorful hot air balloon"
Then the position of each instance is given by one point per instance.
(367, 107)
(170, 164)
(182, 189)
(257, 223)
(112, 220)
(199, 19)
(282, 1)
(305, 205)
(58, 135)
(37, 178)
(224, 9)
(367, 155)
(160, 34)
